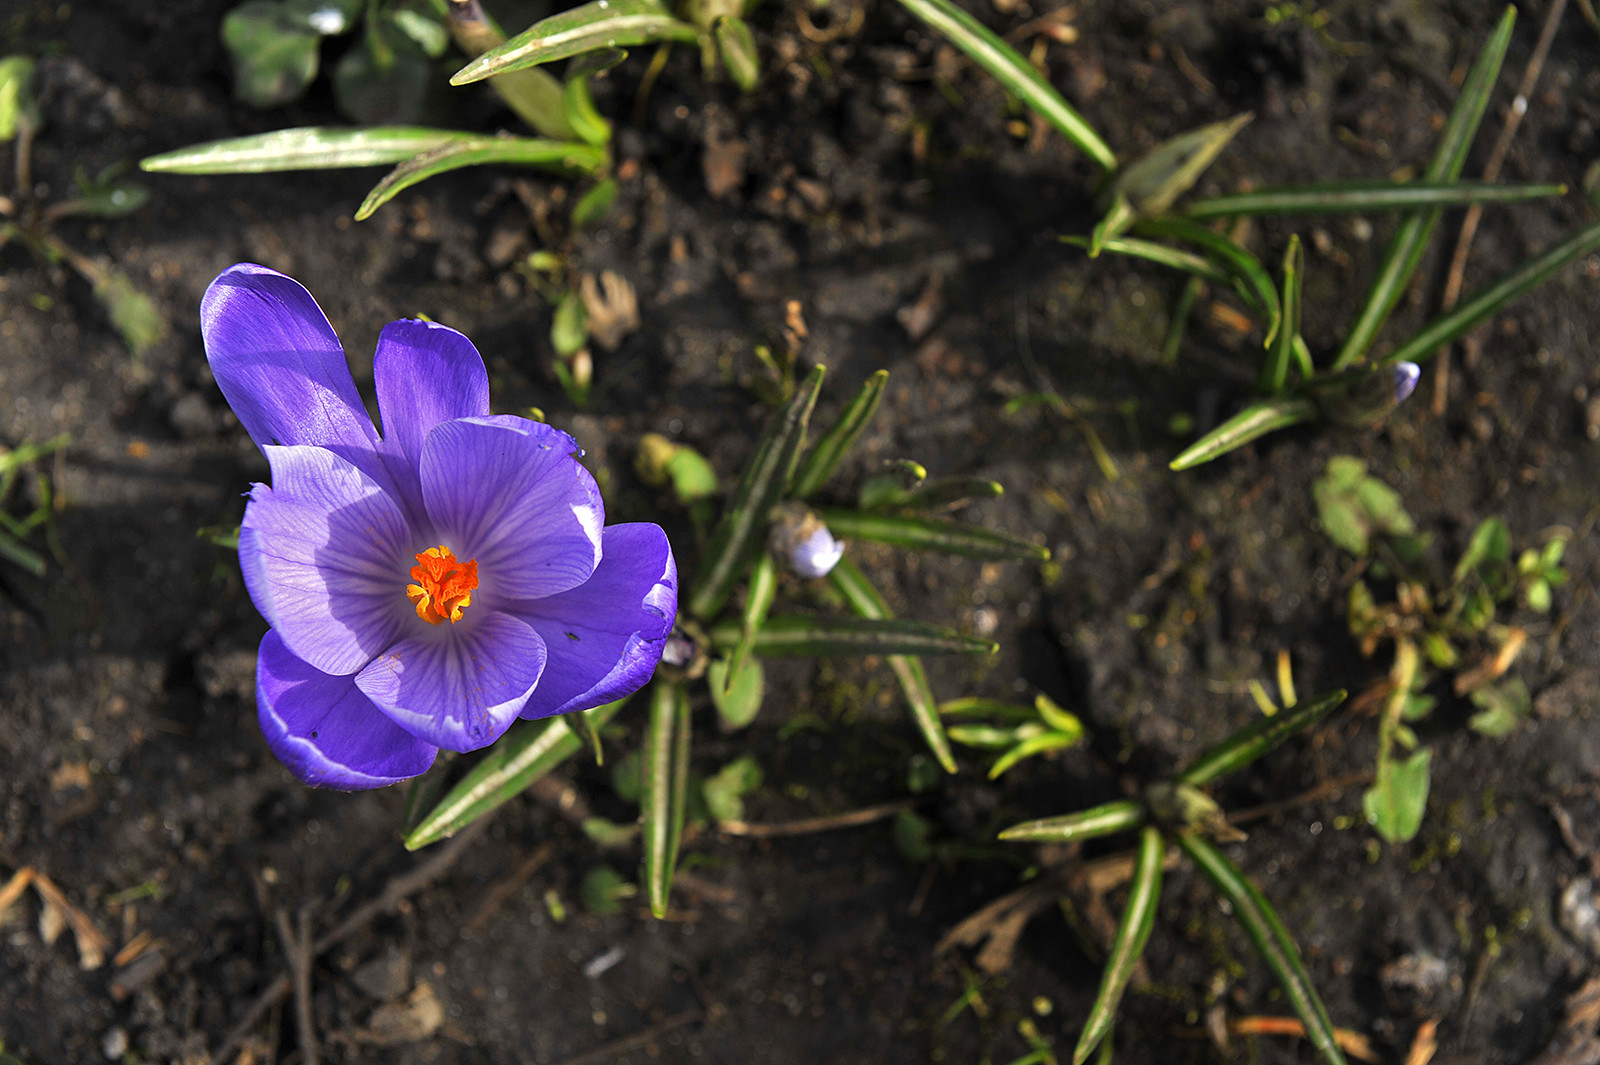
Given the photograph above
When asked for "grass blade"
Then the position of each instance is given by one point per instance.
(304, 148)
(665, 788)
(758, 600)
(930, 534)
(1133, 932)
(866, 601)
(763, 484)
(1271, 940)
(1450, 327)
(794, 636)
(526, 753)
(1347, 197)
(1102, 820)
(1162, 254)
(1014, 72)
(599, 24)
(1254, 421)
(560, 156)
(1257, 738)
(1405, 249)
(1275, 366)
(831, 448)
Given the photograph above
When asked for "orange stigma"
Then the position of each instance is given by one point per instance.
(444, 586)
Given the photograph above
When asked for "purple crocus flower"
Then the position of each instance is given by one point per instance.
(426, 586)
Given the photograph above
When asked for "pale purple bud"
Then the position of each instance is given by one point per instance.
(1405, 380)
(678, 650)
(817, 554)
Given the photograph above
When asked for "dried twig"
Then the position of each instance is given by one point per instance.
(1352, 1043)
(810, 825)
(297, 949)
(92, 943)
(497, 894)
(1426, 1043)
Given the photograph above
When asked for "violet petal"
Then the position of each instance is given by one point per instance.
(606, 636)
(508, 493)
(278, 362)
(324, 556)
(458, 686)
(327, 732)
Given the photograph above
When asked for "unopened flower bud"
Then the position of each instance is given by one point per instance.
(678, 651)
(803, 542)
(1405, 380)
(817, 554)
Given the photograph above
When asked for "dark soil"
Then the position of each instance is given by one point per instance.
(869, 170)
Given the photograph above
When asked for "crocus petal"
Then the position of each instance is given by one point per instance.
(323, 553)
(458, 686)
(278, 362)
(509, 493)
(606, 636)
(327, 732)
(425, 373)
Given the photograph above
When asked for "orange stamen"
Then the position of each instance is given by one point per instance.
(444, 585)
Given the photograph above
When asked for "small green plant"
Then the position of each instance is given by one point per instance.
(770, 535)
(15, 531)
(1177, 812)
(1451, 628)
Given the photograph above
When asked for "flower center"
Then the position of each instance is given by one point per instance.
(444, 585)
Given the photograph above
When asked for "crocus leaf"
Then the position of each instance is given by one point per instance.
(15, 552)
(1404, 254)
(1399, 794)
(304, 148)
(737, 46)
(951, 492)
(1153, 182)
(930, 534)
(598, 24)
(1033, 745)
(736, 697)
(584, 118)
(1015, 73)
(977, 706)
(1247, 276)
(824, 457)
(594, 205)
(1103, 820)
(1256, 420)
(801, 636)
(559, 156)
(1271, 940)
(763, 588)
(17, 106)
(1275, 366)
(744, 519)
(274, 53)
(534, 94)
(1345, 197)
(525, 754)
(1152, 251)
(1257, 738)
(665, 767)
(1133, 932)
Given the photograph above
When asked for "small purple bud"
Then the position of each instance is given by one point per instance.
(678, 650)
(817, 554)
(1405, 380)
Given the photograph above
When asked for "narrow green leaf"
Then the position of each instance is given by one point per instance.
(744, 518)
(1153, 182)
(560, 156)
(737, 46)
(833, 445)
(1133, 932)
(763, 588)
(591, 26)
(1248, 277)
(594, 205)
(930, 534)
(1405, 249)
(1271, 940)
(1257, 738)
(665, 767)
(804, 636)
(534, 94)
(1275, 366)
(1491, 542)
(16, 95)
(304, 148)
(951, 492)
(977, 706)
(1163, 254)
(13, 551)
(868, 603)
(1033, 745)
(1014, 72)
(1395, 803)
(1103, 820)
(584, 118)
(1343, 197)
(523, 755)
(1450, 327)
(1254, 421)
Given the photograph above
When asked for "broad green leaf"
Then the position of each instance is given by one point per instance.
(744, 519)
(523, 755)
(1501, 707)
(1404, 254)
(603, 891)
(16, 95)
(737, 46)
(1340, 197)
(1399, 794)
(569, 325)
(598, 24)
(824, 457)
(305, 148)
(593, 206)
(929, 534)
(1275, 367)
(665, 767)
(1256, 739)
(1133, 932)
(1271, 940)
(1102, 820)
(1254, 421)
(868, 603)
(1015, 73)
(1354, 507)
(274, 53)
(1448, 328)
(725, 790)
(559, 156)
(137, 317)
(739, 700)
